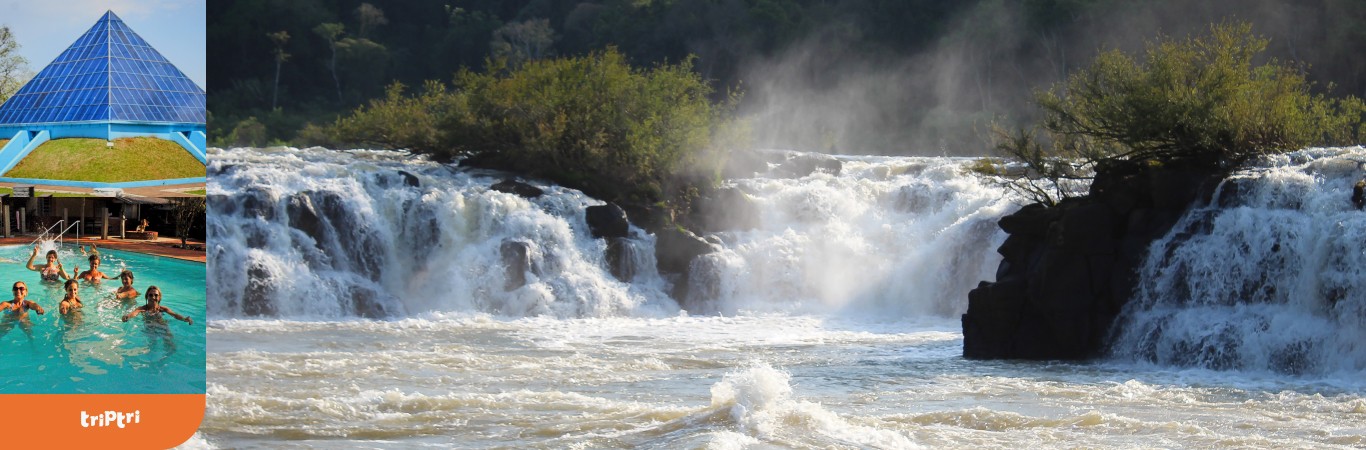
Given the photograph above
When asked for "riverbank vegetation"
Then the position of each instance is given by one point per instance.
(635, 136)
(1211, 102)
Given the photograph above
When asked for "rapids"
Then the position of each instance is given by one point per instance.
(354, 305)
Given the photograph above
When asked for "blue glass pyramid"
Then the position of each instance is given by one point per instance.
(108, 75)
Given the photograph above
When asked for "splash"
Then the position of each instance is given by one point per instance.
(761, 405)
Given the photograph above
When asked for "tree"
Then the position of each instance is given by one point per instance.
(187, 211)
(12, 65)
(369, 16)
(279, 38)
(1199, 102)
(332, 33)
(519, 42)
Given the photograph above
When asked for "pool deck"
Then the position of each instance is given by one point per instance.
(159, 247)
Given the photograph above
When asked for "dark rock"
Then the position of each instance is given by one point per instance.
(409, 179)
(802, 164)
(726, 209)
(607, 221)
(651, 218)
(676, 248)
(303, 216)
(258, 202)
(1088, 229)
(1031, 220)
(221, 205)
(517, 188)
(1068, 270)
(619, 261)
(517, 262)
(1174, 189)
(256, 301)
(366, 303)
(1359, 194)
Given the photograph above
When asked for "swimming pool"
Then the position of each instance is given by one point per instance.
(98, 352)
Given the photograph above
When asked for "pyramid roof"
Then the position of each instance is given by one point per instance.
(110, 74)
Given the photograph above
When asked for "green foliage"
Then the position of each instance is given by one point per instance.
(12, 65)
(249, 132)
(394, 121)
(987, 167)
(1202, 102)
(594, 123)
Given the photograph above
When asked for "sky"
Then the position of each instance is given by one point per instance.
(44, 28)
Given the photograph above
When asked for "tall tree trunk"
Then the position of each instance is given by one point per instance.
(275, 92)
(335, 81)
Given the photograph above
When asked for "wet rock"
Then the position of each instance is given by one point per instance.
(517, 262)
(410, 179)
(607, 221)
(258, 202)
(518, 188)
(1068, 270)
(802, 164)
(365, 302)
(726, 209)
(303, 216)
(256, 301)
(221, 205)
(676, 248)
(1359, 194)
(619, 261)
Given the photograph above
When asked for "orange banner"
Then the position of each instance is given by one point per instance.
(104, 421)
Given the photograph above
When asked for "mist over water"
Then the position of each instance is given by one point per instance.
(354, 305)
(313, 234)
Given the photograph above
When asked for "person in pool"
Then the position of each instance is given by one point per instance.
(151, 312)
(52, 271)
(126, 292)
(72, 301)
(93, 251)
(155, 326)
(16, 311)
(70, 307)
(93, 275)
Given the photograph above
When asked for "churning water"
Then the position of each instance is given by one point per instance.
(354, 305)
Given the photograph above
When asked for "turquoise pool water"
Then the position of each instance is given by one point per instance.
(97, 352)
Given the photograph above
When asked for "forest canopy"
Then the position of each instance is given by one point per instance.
(852, 76)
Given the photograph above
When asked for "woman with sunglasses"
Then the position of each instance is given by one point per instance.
(16, 311)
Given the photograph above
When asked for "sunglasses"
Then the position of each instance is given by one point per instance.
(21, 288)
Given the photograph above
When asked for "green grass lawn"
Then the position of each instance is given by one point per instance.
(131, 159)
(199, 192)
(10, 191)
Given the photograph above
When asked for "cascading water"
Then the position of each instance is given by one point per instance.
(325, 234)
(829, 320)
(1271, 275)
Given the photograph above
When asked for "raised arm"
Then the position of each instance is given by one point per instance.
(31, 256)
(177, 316)
(36, 307)
(132, 314)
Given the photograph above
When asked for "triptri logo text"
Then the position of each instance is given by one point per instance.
(110, 418)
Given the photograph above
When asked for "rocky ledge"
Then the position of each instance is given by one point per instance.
(1069, 269)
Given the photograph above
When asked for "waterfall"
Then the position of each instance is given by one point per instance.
(323, 234)
(1269, 275)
